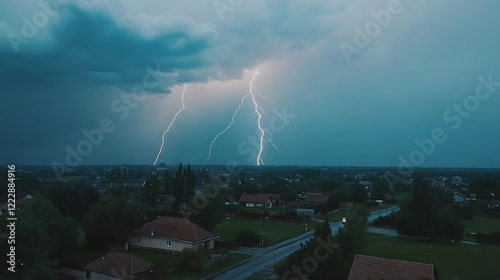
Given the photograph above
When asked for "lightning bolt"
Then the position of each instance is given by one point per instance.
(260, 113)
(170, 126)
(259, 118)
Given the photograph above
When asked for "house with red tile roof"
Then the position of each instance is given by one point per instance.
(172, 234)
(256, 200)
(375, 268)
(116, 265)
(229, 200)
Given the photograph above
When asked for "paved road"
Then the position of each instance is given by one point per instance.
(274, 254)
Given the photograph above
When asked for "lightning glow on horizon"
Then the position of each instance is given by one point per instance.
(170, 126)
(259, 111)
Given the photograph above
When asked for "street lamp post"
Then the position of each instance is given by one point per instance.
(260, 228)
(274, 256)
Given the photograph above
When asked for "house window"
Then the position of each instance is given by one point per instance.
(138, 240)
(169, 243)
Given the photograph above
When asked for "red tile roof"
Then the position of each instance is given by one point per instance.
(375, 268)
(174, 228)
(229, 198)
(119, 265)
(274, 196)
(262, 198)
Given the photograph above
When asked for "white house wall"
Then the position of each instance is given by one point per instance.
(159, 243)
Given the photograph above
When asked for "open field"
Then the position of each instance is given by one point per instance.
(457, 261)
(273, 231)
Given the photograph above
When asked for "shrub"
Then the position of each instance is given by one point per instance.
(389, 220)
(491, 238)
(246, 238)
(466, 211)
(391, 200)
(192, 259)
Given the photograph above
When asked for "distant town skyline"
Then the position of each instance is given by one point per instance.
(341, 83)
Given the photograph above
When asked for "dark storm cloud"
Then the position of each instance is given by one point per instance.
(91, 47)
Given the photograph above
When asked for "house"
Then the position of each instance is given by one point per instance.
(135, 183)
(314, 191)
(379, 202)
(456, 180)
(93, 182)
(302, 212)
(490, 203)
(23, 196)
(458, 197)
(375, 268)
(276, 199)
(116, 265)
(21, 199)
(367, 184)
(172, 234)
(438, 184)
(256, 200)
(229, 200)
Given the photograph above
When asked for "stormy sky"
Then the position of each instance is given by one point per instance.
(349, 82)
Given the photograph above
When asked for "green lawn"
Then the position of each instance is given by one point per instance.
(335, 217)
(482, 224)
(164, 260)
(458, 260)
(232, 259)
(273, 231)
(400, 195)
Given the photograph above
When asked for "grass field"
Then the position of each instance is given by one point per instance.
(457, 261)
(482, 224)
(273, 231)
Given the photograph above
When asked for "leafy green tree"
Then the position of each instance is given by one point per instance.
(110, 221)
(151, 190)
(246, 238)
(184, 185)
(342, 194)
(326, 256)
(72, 200)
(451, 225)
(419, 212)
(352, 236)
(378, 189)
(44, 239)
(359, 193)
(207, 212)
